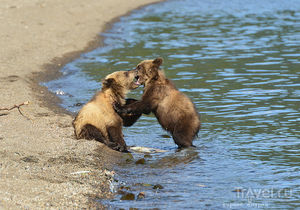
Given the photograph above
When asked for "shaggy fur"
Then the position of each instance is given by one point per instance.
(98, 120)
(174, 111)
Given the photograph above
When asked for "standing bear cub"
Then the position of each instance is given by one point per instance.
(98, 120)
(174, 111)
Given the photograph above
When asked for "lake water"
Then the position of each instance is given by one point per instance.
(239, 61)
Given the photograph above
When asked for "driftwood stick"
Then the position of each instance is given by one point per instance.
(14, 106)
(18, 106)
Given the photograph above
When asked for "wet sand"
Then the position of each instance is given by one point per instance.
(42, 165)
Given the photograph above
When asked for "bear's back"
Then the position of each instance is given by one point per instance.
(99, 113)
(176, 107)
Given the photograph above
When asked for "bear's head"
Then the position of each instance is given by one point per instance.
(147, 70)
(120, 81)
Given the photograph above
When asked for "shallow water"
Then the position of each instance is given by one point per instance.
(239, 61)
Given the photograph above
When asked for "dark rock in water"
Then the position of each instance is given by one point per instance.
(128, 160)
(158, 186)
(141, 195)
(128, 196)
(128, 157)
(124, 188)
(140, 161)
(78, 104)
(143, 184)
(147, 156)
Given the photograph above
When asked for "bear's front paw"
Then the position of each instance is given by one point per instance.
(121, 148)
(118, 108)
(127, 110)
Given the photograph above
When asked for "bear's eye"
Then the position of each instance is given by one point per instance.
(138, 67)
(126, 73)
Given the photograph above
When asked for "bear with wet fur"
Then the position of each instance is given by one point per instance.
(98, 120)
(174, 111)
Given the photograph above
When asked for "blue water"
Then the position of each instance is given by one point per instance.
(239, 61)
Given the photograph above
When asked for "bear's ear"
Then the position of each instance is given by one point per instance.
(158, 61)
(108, 82)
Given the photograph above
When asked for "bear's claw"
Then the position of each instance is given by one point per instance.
(121, 110)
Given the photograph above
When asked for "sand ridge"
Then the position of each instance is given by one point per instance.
(40, 161)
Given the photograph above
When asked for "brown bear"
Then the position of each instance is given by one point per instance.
(174, 111)
(98, 120)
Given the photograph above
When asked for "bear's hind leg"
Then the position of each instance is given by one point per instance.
(183, 136)
(90, 132)
(182, 140)
(116, 139)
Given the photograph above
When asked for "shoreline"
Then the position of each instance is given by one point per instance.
(52, 70)
(41, 161)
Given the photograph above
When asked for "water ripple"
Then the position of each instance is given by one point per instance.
(239, 62)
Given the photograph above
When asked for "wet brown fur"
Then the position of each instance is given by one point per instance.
(98, 120)
(174, 111)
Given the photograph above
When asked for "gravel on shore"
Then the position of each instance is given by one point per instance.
(42, 165)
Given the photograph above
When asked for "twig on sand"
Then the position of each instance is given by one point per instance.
(18, 106)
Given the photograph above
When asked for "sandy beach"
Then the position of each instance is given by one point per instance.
(42, 165)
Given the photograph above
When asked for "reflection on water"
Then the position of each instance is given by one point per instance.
(239, 61)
